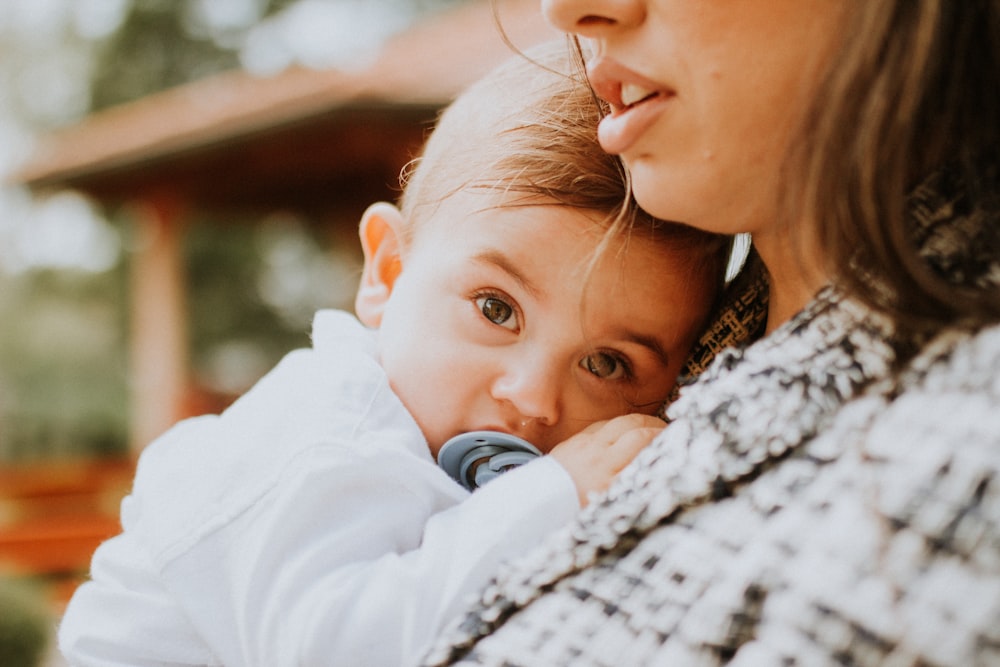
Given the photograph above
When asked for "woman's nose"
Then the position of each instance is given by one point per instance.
(591, 18)
(531, 387)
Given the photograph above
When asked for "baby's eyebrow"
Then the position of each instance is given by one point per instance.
(502, 262)
(651, 343)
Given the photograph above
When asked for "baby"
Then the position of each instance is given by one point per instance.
(517, 290)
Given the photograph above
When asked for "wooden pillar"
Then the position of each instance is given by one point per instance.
(158, 311)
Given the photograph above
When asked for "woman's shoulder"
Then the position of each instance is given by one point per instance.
(933, 452)
(956, 363)
(938, 437)
(948, 396)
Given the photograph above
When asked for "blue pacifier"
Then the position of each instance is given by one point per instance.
(474, 458)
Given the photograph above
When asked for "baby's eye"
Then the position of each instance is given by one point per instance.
(605, 366)
(497, 311)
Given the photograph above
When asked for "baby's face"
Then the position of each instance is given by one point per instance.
(494, 323)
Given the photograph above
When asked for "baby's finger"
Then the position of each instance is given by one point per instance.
(629, 444)
(595, 426)
(619, 426)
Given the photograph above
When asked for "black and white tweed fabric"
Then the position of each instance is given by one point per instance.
(807, 505)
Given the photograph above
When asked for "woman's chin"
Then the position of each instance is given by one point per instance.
(650, 193)
(663, 193)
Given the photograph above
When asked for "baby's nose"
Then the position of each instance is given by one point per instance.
(531, 386)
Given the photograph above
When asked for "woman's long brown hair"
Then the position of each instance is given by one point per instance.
(914, 89)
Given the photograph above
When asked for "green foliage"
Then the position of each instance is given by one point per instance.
(62, 365)
(25, 624)
(160, 46)
(224, 264)
(152, 51)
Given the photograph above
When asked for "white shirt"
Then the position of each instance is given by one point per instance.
(306, 525)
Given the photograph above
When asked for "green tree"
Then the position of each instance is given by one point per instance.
(161, 44)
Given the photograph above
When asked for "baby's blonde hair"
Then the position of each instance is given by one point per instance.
(529, 129)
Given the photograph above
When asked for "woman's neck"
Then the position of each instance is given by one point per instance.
(795, 275)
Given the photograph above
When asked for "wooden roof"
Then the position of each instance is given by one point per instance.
(300, 139)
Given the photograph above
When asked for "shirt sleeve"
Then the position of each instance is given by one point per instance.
(375, 580)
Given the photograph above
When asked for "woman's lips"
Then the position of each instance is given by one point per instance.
(621, 129)
(636, 103)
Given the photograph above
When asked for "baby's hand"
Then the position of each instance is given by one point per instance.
(596, 454)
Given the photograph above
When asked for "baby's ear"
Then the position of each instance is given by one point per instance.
(380, 230)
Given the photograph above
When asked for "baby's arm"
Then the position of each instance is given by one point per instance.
(379, 588)
(342, 563)
(595, 455)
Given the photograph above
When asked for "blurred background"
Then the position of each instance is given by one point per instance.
(181, 184)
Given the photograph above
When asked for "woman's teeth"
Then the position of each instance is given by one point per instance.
(632, 93)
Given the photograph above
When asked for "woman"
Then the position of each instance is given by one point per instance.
(829, 494)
